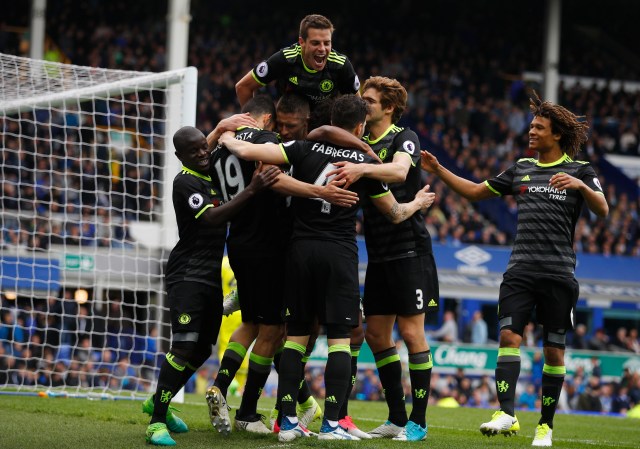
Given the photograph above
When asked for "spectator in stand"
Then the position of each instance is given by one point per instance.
(528, 398)
(633, 344)
(599, 341)
(448, 332)
(590, 400)
(479, 331)
(579, 337)
(619, 342)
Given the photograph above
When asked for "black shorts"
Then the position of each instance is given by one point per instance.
(322, 282)
(406, 286)
(196, 310)
(260, 283)
(553, 296)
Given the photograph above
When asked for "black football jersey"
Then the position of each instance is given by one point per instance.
(313, 217)
(197, 257)
(288, 69)
(385, 240)
(260, 227)
(546, 216)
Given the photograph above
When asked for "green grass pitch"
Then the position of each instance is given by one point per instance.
(34, 422)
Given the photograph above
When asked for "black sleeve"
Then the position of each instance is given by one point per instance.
(190, 196)
(348, 83)
(406, 141)
(271, 69)
(503, 183)
(589, 177)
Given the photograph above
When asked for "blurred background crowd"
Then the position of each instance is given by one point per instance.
(464, 65)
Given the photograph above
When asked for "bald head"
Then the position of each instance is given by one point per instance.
(185, 137)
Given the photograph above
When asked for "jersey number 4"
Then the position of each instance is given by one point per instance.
(323, 180)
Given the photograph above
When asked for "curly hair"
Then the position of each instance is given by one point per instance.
(573, 129)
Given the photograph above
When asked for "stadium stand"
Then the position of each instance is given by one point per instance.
(467, 98)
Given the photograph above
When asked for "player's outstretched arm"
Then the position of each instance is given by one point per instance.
(230, 124)
(340, 137)
(246, 87)
(395, 171)
(398, 212)
(269, 153)
(221, 214)
(331, 193)
(468, 189)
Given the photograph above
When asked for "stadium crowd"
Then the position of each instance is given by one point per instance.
(468, 101)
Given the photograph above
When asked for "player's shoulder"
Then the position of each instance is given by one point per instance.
(527, 161)
(191, 179)
(291, 53)
(336, 59)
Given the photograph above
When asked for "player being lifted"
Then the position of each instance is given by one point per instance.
(322, 264)
(550, 192)
(311, 67)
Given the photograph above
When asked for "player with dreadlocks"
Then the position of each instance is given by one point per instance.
(550, 192)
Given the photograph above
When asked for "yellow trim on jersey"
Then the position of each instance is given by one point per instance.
(284, 153)
(186, 170)
(380, 195)
(486, 183)
(366, 138)
(253, 74)
(565, 158)
(203, 209)
(307, 68)
(406, 154)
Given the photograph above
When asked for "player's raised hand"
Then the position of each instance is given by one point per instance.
(428, 161)
(225, 137)
(231, 123)
(425, 197)
(335, 194)
(264, 178)
(347, 172)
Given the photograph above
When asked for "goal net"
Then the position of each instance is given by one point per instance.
(86, 223)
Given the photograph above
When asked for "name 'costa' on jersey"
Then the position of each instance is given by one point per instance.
(197, 257)
(385, 240)
(289, 70)
(314, 218)
(546, 216)
(259, 228)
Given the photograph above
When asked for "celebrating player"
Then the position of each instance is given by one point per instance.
(550, 192)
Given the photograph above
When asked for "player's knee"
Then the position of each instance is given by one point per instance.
(413, 336)
(509, 338)
(271, 333)
(554, 338)
(338, 331)
(357, 335)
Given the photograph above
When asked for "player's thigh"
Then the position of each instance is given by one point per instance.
(517, 300)
(196, 308)
(260, 284)
(337, 285)
(300, 291)
(401, 287)
(557, 299)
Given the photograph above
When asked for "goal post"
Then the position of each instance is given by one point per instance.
(87, 223)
